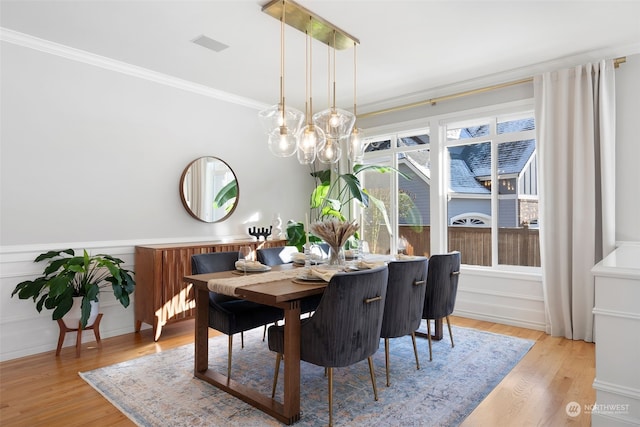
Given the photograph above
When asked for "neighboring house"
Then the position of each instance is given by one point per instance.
(470, 180)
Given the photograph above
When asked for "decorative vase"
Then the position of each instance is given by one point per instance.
(336, 256)
(276, 225)
(72, 318)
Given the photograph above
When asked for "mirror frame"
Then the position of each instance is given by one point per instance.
(183, 198)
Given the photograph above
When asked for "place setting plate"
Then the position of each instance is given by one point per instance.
(307, 279)
(251, 269)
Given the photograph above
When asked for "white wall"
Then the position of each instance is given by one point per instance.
(92, 155)
(628, 150)
(92, 158)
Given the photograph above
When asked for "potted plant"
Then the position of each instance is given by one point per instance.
(331, 196)
(67, 276)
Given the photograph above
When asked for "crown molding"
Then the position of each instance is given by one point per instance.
(63, 51)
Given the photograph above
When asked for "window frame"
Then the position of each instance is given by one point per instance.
(436, 125)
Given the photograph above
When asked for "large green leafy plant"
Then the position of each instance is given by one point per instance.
(66, 276)
(332, 195)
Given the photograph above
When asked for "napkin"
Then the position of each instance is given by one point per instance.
(403, 257)
(323, 274)
(242, 264)
(371, 264)
(298, 258)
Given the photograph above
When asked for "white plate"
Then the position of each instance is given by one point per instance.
(313, 262)
(306, 278)
(254, 269)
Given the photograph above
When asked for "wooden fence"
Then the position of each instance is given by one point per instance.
(516, 246)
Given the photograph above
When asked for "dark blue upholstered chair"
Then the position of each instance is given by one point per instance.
(276, 256)
(442, 287)
(405, 300)
(227, 314)
(345, 327)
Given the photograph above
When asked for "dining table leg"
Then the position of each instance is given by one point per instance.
(201, 339)
(437, 333)
(291, 401)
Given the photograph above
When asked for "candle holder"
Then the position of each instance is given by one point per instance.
(260, 233)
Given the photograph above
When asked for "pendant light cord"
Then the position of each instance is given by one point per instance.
(355, 65)
(282, 62)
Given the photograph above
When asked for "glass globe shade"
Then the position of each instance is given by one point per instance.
(310, 138)
(356, 146)
(271, 119)
(282, 142)
(331, 151)
(335, 122)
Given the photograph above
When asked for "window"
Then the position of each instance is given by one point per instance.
(487, 178)
(405, 196)
(491, 183)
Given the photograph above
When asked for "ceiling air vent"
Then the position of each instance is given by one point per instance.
(210, 43)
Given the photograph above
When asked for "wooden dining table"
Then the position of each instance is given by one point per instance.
(285, 294)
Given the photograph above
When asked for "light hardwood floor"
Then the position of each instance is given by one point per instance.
(45, 390)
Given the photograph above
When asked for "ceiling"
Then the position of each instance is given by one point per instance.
(408, 49)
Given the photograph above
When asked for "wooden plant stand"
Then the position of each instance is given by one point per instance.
(64, 329)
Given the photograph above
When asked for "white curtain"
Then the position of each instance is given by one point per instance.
(575, 126)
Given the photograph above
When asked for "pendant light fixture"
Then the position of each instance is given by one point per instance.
(324, 132)
(311, 138)
(336, 123)
(356, 144)
(280, 121)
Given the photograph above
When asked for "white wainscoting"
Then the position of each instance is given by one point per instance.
(506, 297)
(24, 331)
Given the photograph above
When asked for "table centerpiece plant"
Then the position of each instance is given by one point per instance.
(335, 233)
(67, 276)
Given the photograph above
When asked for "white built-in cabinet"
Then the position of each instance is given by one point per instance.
(617, 337)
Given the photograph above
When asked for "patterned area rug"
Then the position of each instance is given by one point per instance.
(160, 390)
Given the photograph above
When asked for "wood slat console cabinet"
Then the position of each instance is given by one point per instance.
(161, 297)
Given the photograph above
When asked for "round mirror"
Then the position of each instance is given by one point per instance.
(209, 189)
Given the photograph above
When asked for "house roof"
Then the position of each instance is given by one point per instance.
(463, 180)
(472, 163)
(512, 157)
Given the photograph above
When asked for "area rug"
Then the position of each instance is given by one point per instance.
(160, 389)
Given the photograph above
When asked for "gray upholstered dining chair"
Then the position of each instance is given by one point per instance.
(227, 314)
(403, 307)
(442, 287)
(344, 329)
(277, 255)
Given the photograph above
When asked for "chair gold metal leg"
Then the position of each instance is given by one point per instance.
(386, 358)
(229, 356)
(275, 375)
(330, 391)
(429, 337)
(373, 378)
(450, 334)
(415, 349)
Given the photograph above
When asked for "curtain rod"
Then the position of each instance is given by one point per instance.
(433, 101)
